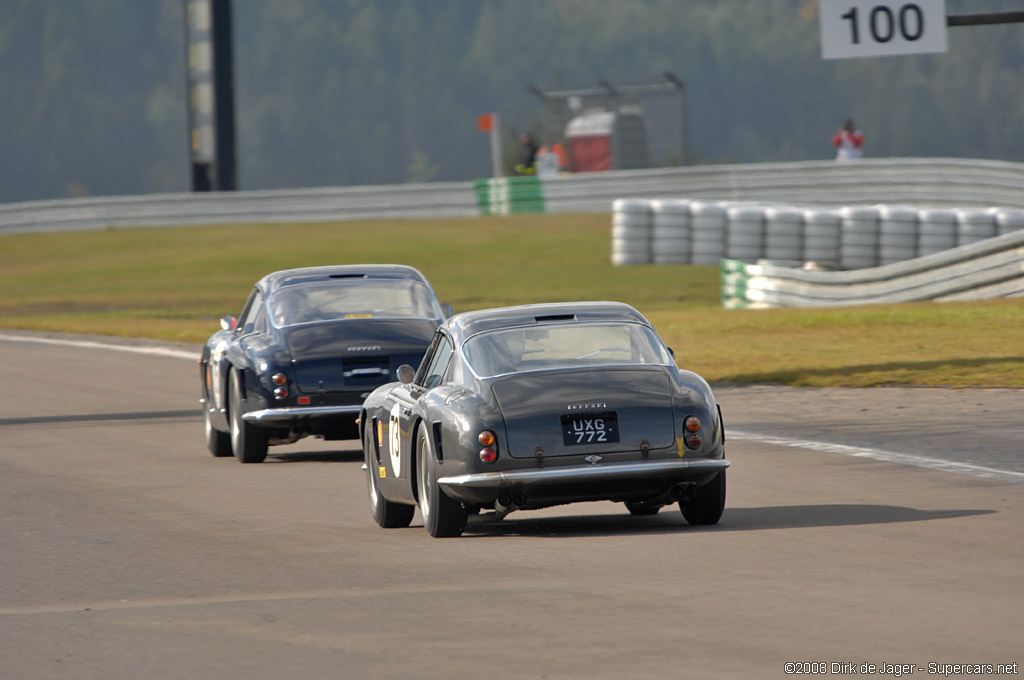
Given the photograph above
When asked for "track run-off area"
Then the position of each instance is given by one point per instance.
(880, 527)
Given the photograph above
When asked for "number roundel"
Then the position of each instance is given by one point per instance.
(395, 440)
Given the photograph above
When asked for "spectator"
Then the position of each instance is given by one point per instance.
(527, 155)
(848, 142)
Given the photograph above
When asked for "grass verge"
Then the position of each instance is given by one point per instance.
(174, 283)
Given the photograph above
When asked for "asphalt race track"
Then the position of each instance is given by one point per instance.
(862, 527)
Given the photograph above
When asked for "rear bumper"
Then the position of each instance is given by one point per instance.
(614, 481)
(286, 417)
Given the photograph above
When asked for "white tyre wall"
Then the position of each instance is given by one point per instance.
(1009, 220)
(936, 231)
(670, 231)
(783, 234)
(631, 231)
(821, 236)
(707, 232)
(974, 225)
(858, 240)
(897, 234)
(745, 233)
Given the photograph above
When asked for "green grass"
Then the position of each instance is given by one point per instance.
(173, 284)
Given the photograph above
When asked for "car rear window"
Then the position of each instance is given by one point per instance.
(351, 299)
(529, 348)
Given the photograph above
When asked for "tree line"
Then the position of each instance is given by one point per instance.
(342, 92)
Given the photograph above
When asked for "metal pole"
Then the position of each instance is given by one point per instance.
(496, 145)
(224, 92)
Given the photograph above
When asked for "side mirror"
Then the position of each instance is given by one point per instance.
(406, 373)
(229, 322)
(671, 351)
(446, 309)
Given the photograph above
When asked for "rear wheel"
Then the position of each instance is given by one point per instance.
(248, 442)
(442, 516)
(709, 504)
(219, 443)
(385, 513)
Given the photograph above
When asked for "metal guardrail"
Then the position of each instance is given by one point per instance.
(925, 182)
(990, 268)
(921, 181)
(449, 199)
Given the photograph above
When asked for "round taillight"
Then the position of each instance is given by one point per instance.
(693, 441)
(488, 455)
(486, 438)
(280, 392)
(279, 379)
(692, 424)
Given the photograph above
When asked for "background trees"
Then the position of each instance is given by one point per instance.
(334, 92)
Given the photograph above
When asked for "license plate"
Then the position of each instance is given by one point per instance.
(590, 428)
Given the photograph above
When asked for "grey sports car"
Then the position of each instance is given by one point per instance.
(528, 407)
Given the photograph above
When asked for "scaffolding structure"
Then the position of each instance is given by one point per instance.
(663, 106)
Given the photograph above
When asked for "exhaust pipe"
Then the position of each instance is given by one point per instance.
(683, 492)
(503, 506)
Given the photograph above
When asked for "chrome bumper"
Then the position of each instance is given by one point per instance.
(469, 487)
(275, 417)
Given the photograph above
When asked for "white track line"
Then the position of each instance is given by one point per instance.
(91, 344)
(827, 447)
(878, 454)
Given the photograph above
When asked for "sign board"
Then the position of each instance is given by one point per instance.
(878, 28)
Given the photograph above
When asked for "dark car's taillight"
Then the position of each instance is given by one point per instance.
(280, 381)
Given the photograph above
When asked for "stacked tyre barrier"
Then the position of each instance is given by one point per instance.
(989, 268)
(682, 231)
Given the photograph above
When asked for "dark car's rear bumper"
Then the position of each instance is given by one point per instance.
(281, 417)
(613, 481)
(330, 422)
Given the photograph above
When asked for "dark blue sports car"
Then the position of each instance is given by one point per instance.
(308, 347)
(528, 407)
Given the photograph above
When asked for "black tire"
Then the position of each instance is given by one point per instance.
(218, 442)
(709, 504)
(638, 509)
(442, 516)
(248, 442)
(385, 513)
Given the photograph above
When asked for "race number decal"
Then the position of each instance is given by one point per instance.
(395, 440)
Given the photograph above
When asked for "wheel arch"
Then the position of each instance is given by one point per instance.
(414, 457)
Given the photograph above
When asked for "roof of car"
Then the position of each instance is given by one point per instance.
(289, 277)
(470, 323)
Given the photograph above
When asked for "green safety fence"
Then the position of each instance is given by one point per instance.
(506, 195)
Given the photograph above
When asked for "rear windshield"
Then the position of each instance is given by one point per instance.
(351, 299)
(532, 348)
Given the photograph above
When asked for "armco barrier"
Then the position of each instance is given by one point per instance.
(990, 268)
(453, 199)
(926, 182)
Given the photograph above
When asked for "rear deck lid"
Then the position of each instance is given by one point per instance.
(355, 355)
(586, 411)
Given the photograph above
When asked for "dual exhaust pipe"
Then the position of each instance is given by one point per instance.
(506, 503)
(685, 491)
